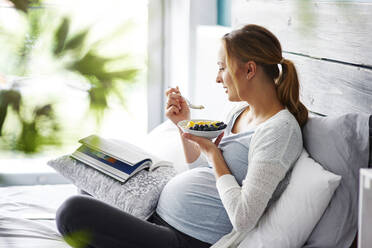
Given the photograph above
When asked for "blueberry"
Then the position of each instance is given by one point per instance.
(196, 126)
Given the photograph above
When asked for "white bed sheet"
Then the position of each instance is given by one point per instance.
(27, 215)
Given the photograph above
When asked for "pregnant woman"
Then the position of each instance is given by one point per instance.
(232, 181)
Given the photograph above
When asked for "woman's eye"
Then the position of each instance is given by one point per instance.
(221, 69)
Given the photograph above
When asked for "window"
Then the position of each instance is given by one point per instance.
(116, 27)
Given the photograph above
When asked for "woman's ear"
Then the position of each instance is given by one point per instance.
(250, 69)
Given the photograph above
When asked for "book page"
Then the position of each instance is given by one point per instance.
(121, 150)
(156, 161)
(118, 175)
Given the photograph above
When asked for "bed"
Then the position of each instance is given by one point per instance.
(27, 215)
(329, 43)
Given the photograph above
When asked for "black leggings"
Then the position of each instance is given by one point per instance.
(87, 222)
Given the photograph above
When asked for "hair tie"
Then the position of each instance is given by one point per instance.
(282, 60)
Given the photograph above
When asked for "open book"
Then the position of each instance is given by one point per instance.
(119, 160)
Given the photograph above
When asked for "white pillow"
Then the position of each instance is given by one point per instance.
(289, 222)
(165, 142)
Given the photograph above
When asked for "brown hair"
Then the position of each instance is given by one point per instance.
(253, 42)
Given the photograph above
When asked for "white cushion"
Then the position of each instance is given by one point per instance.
(165, 142)
(289, 222)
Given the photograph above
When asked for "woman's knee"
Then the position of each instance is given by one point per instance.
(70, 211)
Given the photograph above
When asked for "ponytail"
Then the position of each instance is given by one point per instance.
(288, 88)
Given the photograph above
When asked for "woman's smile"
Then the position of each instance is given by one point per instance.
(225, 89)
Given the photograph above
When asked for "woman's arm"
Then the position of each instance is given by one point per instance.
(190, 149)
(274, 150)
(177, 110)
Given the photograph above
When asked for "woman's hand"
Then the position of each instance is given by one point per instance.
(208, 147)
(176, 109)
(211, 150)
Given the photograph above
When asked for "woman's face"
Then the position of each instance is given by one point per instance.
(224, 77)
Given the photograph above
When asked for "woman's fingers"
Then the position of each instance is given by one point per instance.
(218, 139)
(206, 145)
(194, 138)
(202, 142)
(175, 99)
(172, 90)
(172, 110)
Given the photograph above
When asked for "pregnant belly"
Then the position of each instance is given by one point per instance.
(191, 198)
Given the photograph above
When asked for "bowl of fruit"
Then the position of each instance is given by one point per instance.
(203, 128)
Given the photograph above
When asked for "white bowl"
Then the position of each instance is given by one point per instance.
(205, 134)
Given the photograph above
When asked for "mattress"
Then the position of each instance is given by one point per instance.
(27, 215)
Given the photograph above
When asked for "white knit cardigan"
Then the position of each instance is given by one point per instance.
(274, 148)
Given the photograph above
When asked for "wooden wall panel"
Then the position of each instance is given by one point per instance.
(330, 44)
(339, 30)
(331, 88)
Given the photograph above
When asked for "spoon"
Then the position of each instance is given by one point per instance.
(193, 106)
(190, 105)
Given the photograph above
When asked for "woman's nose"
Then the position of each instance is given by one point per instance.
(218, 79)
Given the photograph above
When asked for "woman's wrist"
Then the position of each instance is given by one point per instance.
(214, 154)
(175, 123)
(216, 158)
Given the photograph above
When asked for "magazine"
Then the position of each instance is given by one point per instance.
(119, 160)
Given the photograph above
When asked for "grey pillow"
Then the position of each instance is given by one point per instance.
(370, 142)
(138, 195)
(341, 145)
